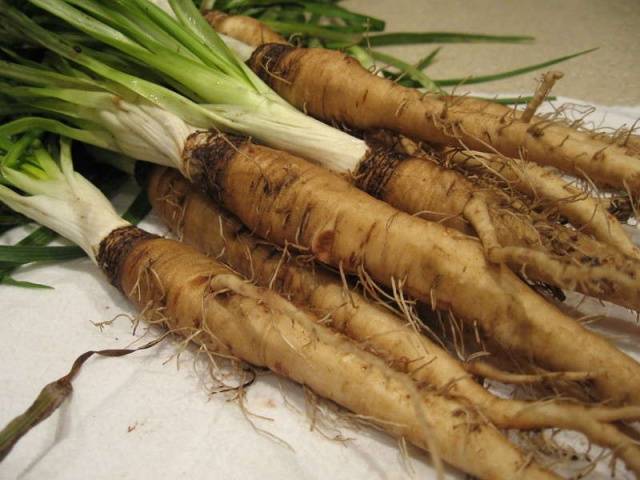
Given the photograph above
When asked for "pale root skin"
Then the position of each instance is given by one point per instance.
(286, 199)
(335, 88)
(246, 29)
(545, 252)
(423, 188)
(585, 212)
(632, 142)
(199, 222)
(190, 293)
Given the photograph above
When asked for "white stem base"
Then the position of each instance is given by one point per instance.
(74, 208)
(284, 128)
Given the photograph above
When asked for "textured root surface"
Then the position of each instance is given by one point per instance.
(246, 29)
(287, 200)
(335, 88)
(548, 80)
(199, 222)
(195, 293)
(542, 252)
(584, 211)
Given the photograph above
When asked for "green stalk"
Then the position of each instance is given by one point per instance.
(45, 78)
(155, 94)
(98, 138)
(135, 23)
(191, 19)
(363, 56)
(28, 166)
(406, 69)
(428, 60)
(217, 86)
(236, 105)
(42, 236)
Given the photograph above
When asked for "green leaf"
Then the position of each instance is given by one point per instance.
(25, 124)
(156, 94)
(13, 155)
(139, 208)
(515, 100)
(360, 21)
(39, 237)
(428, 60)
(412, 38)
(20, 254)
(43, 77)
(12, 282)
(363, 56)
(10, 219)
(511, 73)
(328, 10)
(336, 38)
(423, 80)
(108, 183)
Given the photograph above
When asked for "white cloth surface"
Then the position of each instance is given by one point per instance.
(140, 417)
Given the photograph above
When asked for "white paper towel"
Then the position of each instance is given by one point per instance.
(142, 417)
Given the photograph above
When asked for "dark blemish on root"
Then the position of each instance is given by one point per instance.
(116, 247)
(267, 61)
(374, 172)
(280, 369)
(322, 244)
(208, 155)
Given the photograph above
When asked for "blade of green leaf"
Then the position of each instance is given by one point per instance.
(423, 80)
(407, 38)
(364, 22)
(363, 56)
(39, 237)
(428, 60)
(357, 21)
(10, 219)
(12, 282)
(99, 138)
(516, 100)
(20, 255)
(511, 73)
(15, 152)
(333, 36)
(139, 208)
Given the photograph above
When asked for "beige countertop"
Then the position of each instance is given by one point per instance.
(609, 76)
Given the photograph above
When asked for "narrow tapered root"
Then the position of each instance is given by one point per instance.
(256, 325)
(200, 222)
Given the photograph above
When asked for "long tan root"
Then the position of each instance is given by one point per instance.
(246, 29)
(288, 200)
(195, 293)
(582, 210)
(437, 196)
(548, 80)
(486, 370)
(199, 222)
(540, 250)
(334, 87)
